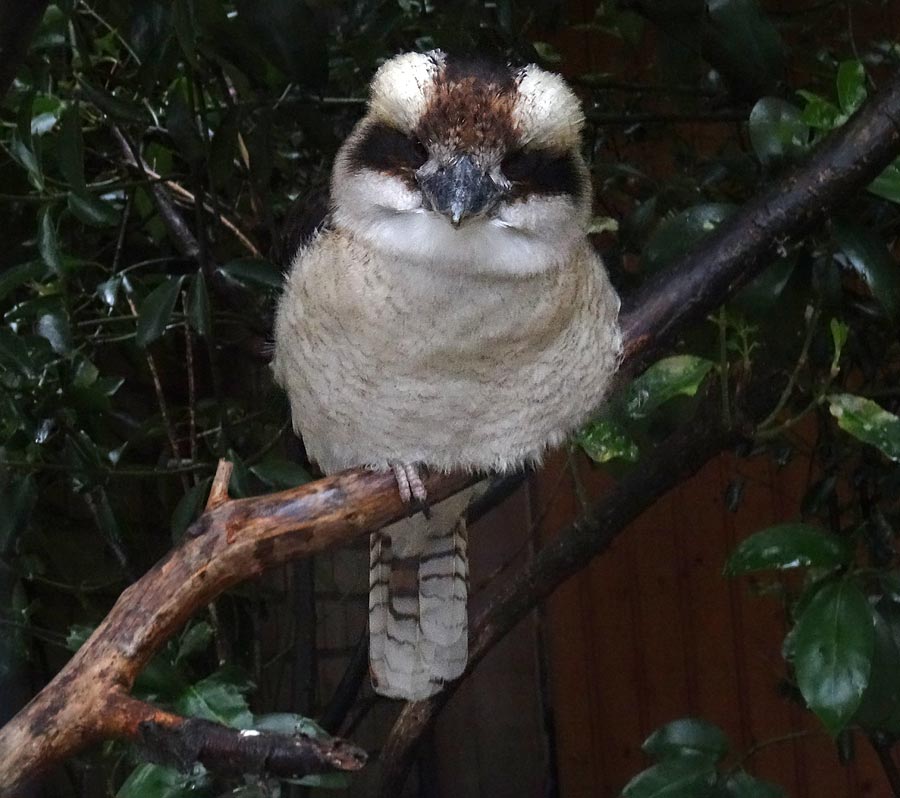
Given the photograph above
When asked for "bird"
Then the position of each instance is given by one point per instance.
(449, 312)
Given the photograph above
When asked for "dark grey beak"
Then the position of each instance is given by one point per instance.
(459, 190)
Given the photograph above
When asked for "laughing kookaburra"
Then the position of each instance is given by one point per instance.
(449, 312)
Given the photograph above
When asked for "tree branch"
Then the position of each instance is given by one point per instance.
(239, 539)
(172, 740)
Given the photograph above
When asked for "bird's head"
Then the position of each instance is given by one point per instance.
(466, 165)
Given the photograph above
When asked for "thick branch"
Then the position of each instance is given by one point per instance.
(239, 539)
(172, 740)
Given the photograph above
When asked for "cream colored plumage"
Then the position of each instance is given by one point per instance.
(448, 314)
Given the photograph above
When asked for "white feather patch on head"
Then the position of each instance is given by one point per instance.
(400, 89)
(547, 112)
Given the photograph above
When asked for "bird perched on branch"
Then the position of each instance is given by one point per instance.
(449, 312)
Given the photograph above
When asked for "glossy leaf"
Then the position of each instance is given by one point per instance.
(253, 271)
(71, 148)
(48, 245)
(156, 310)
(182, 126)
(15, 276)
(777, 131)
(833, 645)
(194, 641)
(749, 31)
(606, 439)
(868, 254)
(687, 736)
(879, 709)
(280, 473)
(216, 700)
(868, 422)
(851, 86)
(189, 508)
(679, 234)
(198, 306)
(54, 326)
(156, 781)
(788, 546)
(887, 184)
(743, 785)
(820, 113)
(93, 210)
(680, 777)
(664, 380)
(17, 500)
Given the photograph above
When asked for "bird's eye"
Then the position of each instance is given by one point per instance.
(542, 172)
(386, 149)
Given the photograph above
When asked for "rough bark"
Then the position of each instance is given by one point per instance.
(235, 540)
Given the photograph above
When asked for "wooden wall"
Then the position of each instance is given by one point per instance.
(651, 631)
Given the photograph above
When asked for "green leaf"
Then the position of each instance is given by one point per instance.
(182, 126)
(54, 326)
(254, 271)
(868, 422)
(879, 709)
(680, 234)
(764, 290)
(198, 311)
(749, 32)
(280, 473)
(820, 113)
(116, 107)
(681, 777)
(788, 546)
(743, 785)
(851, 86)
(189, 508)
(887, 184)
(194, 641)
(216, 700)
(606, 439)
(776, 130)
(71, 148)
(48, 245)
(665, 379)
(156, 781)
(185, 31)
(93, 210)
(78, 635)
(15, 276)
(833, 644)
(14, 353)
(839, 334)
(156, 310)
(17, 500)
(869, 256)
(687, 736)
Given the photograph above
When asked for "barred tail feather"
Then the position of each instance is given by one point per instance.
(418, 622)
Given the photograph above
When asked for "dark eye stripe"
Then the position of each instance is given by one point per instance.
(385, 149)
(542, 172)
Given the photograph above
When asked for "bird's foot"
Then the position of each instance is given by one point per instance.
(409, 483)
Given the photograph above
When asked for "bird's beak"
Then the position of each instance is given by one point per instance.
(459, 190)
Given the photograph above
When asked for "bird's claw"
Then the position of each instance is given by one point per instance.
(410, 485)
